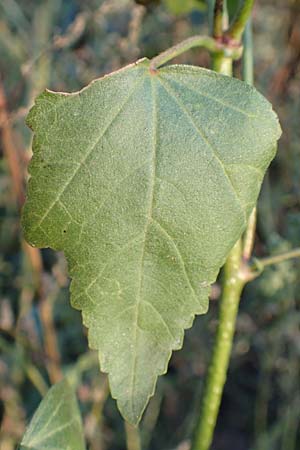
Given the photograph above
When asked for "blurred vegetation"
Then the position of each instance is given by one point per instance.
(63, 45)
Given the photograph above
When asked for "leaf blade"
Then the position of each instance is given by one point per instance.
(162, 172)
(57, 423)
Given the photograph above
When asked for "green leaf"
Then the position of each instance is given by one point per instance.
(56, 425)
(233, 7)
(184, 7)
(145, 180)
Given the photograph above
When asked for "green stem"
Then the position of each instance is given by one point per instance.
(271, 260)
(218, 19)
(248, 77)
(210, 15)
(217, 49)
(248, 65)
(251, 270)
(36, 379)
(195, 41)
(233, 284)
(237, 28)
(133, 439)
(222, 64)
(249, 236)
(232, 288)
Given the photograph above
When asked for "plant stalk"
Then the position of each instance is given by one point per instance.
(249, 236)
(217, 49)
(238, 25)
(248, 77)
(133, 439)
(232, 286)
(247, 66)
(218, 19)
(222, 64)
(276, 259)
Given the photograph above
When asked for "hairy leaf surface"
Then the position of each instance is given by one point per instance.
(56, 424)
(145, 181)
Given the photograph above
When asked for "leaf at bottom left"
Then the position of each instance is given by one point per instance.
(56, 424)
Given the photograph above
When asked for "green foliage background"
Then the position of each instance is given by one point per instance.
(63, 45)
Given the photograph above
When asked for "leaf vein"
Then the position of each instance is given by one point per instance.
(158, 313)
(222, 102)
(86, 156)
(180, 257)
(110, 194)
(201, 133)
(53, 431)
(94, 280)
(142, 260)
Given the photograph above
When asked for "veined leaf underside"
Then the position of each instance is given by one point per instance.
(145, 181)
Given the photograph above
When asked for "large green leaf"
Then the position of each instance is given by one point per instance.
(56, 425)
(145, 181)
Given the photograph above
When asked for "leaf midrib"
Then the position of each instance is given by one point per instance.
(152, 173)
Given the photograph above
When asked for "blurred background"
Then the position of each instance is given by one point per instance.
(63, 45)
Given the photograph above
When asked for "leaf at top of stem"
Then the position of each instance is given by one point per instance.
(145, 180)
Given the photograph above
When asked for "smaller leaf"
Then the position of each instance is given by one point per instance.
(233, 7)
(56, 424)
